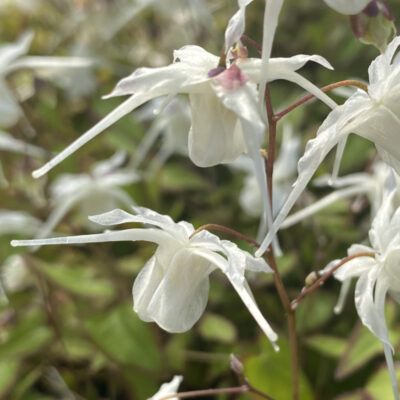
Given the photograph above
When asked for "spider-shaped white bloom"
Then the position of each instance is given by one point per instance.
(377, 275)
(172, 288)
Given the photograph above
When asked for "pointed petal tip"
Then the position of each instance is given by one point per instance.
(37, 173)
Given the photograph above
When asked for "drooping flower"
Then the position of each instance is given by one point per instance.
(12, 59)
(168, 388)
(93, 193)
(377, 275)
(349, 7)
(374, 115)
(172, 288)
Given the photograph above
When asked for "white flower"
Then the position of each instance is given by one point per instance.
(357, 184)
(172, 288)
(348, 6)
(284, 170)
(93, 193)
(168, 388)
(8, 143)
(378, 275)
(11, 59)
(374, 115)
(18, 222)
(172, 122)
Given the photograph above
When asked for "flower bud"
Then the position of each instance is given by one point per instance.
(374, 25)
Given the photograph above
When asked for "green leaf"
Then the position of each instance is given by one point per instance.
(314, 310)
(29, 336)
(330, 346)
(215, 327)
(78, 280)
(362, 347)
(125, 338)
(379, 386)
(270, 373)
(176, 177)
(8, 375)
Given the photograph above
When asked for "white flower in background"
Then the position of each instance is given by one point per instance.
(349, 7)
(377, 275)
(13, 271)
(93, 193)
(284, 171)
(12, 59)
(357, 185)
(172, 288)
(8, 143)
(168, 388)
(374, 115)
(171, 122)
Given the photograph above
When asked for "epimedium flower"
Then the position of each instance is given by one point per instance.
(92, 193)
(349, 7)
(226, 121)
(374, 115)
(168, 388)
(377, 275)
(12, 59)
(172, 288)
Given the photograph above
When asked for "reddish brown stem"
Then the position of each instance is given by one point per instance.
(319, 282)
(290, 315)
(348, 82)
(229, 231)
(252, 42)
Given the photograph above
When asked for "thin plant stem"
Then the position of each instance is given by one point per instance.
(290, 313)
(252, 42)
(227, 230)
(319, 282)
(212, 392)
(348, 82)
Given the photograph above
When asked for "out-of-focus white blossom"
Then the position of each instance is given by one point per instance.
(374, 115)
(168, 388)
(352, 185)
(284, 171)
(172, 288)
(12, 59)
(377, 275)
(93, 193)
(172, 123)
(348, 6)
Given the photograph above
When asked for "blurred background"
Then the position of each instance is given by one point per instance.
(67, 328)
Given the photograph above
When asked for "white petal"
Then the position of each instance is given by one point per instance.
(296, 62)
(370, 296)
(10, 110)
(271, 16)
(175, 297)
(18, 222)
(236, 25)
(354, 268)
(347, 6)
(333, 128)
(344, 290)
(127, 235)
(392, 372)
(321, 204)
(11, 51)
(8, 143)
(168, 388)
(125, 108)
(215, 136)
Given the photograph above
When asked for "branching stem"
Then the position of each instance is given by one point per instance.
(348, 82)
(319, 282)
